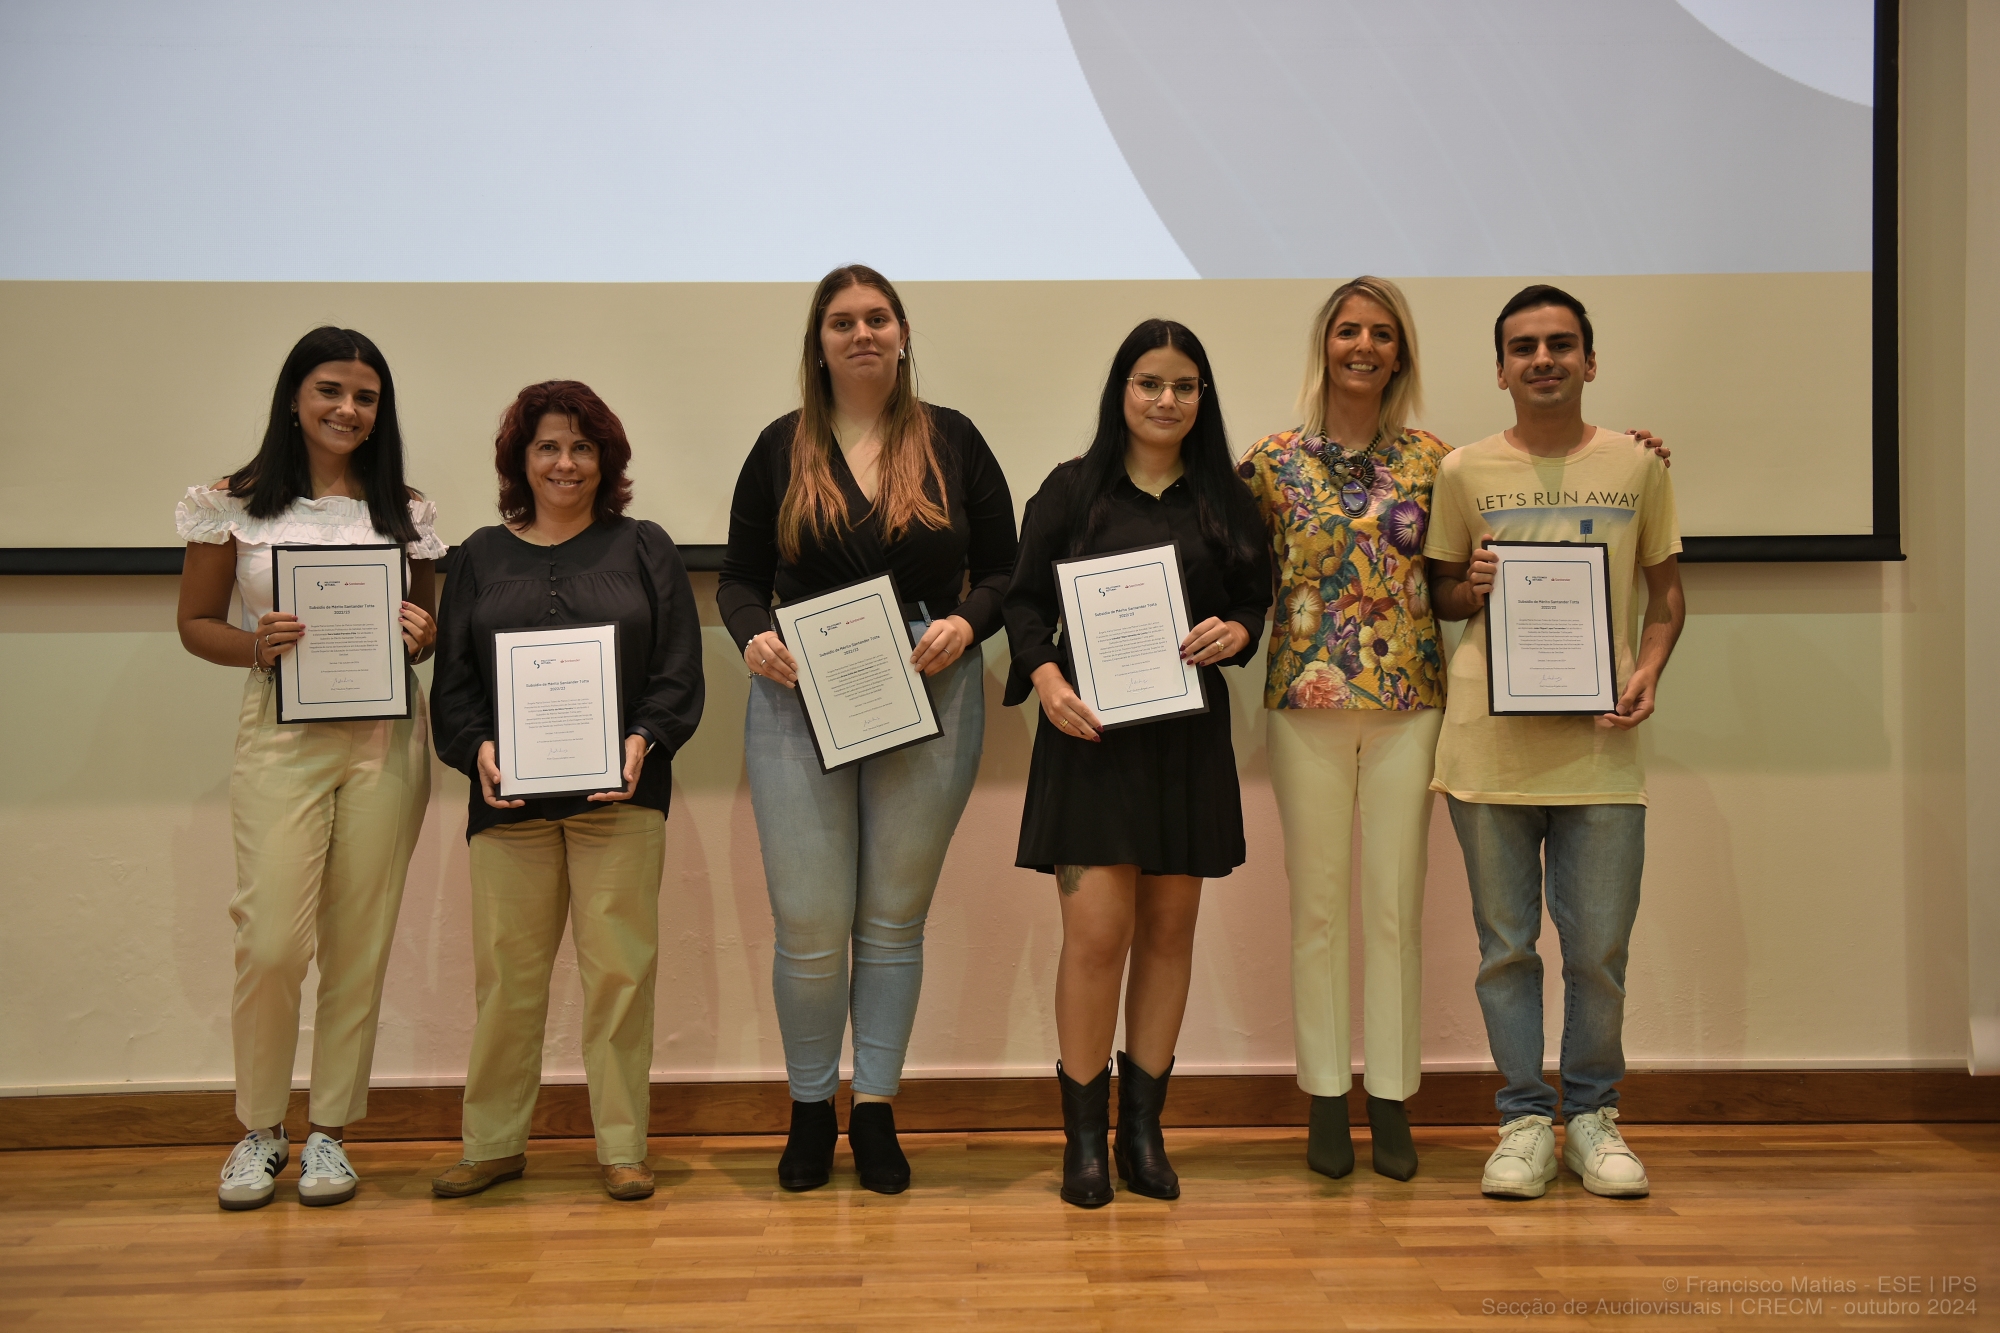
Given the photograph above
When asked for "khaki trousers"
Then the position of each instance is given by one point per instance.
(1322, 761)
(326, 815)
(601, 871)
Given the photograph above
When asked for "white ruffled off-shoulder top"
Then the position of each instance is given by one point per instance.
(206, 514)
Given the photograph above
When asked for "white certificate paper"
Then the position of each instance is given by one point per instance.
(349, 664)
(1548, 629)
(1124, 616)
(557, 726)
(861, 695)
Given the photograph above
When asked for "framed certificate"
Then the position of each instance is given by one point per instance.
(556, 725)
(349, 665)
(1548, 629)
(860, 693)
(1124, 616)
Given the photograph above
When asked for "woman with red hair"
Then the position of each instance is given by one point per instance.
(565, 554)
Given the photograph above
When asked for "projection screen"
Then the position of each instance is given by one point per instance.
(639, 195)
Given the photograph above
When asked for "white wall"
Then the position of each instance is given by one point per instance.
(1805, 897)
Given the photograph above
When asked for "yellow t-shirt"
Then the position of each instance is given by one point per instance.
(1613, 490)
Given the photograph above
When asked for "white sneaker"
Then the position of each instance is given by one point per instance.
(250, 1176)
(325, 1176)
(1525, 1162)
(1595, 1150)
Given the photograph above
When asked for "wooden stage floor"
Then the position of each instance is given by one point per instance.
(1759, 1222)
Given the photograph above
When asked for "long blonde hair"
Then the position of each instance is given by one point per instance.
(814, 505)
(1404, 396)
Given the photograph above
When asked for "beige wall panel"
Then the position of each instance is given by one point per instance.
(1760, 382)
(1779, 925)
(1805, 897)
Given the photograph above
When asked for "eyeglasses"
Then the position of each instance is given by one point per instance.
(1150, 387)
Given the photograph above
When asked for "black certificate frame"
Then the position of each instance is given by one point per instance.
(1180, 575)
(501, 714)
(902, 629)
(1610, 637)
(399, 649)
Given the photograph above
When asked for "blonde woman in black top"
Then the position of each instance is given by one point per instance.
(864, 478)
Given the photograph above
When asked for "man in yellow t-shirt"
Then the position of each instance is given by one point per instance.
(1553, 804)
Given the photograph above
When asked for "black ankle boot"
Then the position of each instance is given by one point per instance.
(878, 1158)
(1139, 1149)
(1086, 1124)
(808, 1160)
(1389, 1127)
(1329, 1141)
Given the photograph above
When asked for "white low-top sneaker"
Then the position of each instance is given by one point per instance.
(250, 1176)
(325, 1176)
(1525, 1162)
(1595, 1150)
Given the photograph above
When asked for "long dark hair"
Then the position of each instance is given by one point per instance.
(1227, 515)
(590, 418)
(280, 473)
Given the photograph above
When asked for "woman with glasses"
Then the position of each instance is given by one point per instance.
(1130, 822)
(1355, 685)
(864, 478)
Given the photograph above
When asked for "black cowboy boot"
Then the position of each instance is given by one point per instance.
(808, 1160)
(878, 1158)
(1389, 1127)
(1086, 1123)
(1329, 1141)
(1139, 1150)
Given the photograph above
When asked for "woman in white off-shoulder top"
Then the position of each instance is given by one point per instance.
(326, 814)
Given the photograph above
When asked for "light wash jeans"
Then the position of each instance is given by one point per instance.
(1589, 859)
(855, 854)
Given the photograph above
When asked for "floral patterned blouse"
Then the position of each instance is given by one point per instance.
(1354, 626)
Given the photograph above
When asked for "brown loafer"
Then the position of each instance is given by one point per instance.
(470, 1177)
(628, 1180)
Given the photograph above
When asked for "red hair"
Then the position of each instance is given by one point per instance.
(589, 418)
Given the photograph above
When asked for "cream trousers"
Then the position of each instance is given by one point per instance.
(1322, 761)
(601, 872)
(326, 815)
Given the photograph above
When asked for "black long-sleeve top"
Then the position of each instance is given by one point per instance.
(930, 564)
(624, 570)
(1033, 602)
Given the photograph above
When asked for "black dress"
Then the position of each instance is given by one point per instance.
(621, 569)
(1162, 795)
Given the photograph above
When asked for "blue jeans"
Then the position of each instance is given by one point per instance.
(855, 855)
(1588, 859)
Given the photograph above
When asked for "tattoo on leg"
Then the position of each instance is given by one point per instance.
(1069, 878)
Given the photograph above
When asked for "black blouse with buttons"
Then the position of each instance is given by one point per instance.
(625, 570)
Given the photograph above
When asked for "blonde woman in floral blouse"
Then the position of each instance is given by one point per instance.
(1356, 687)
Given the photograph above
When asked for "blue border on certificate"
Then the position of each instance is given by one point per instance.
(806, 671)
(388, 627)
(1083, 631)
(603, 704)
(1590, 601)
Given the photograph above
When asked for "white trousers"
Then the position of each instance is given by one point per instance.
(326, 815)
(1324, 760)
